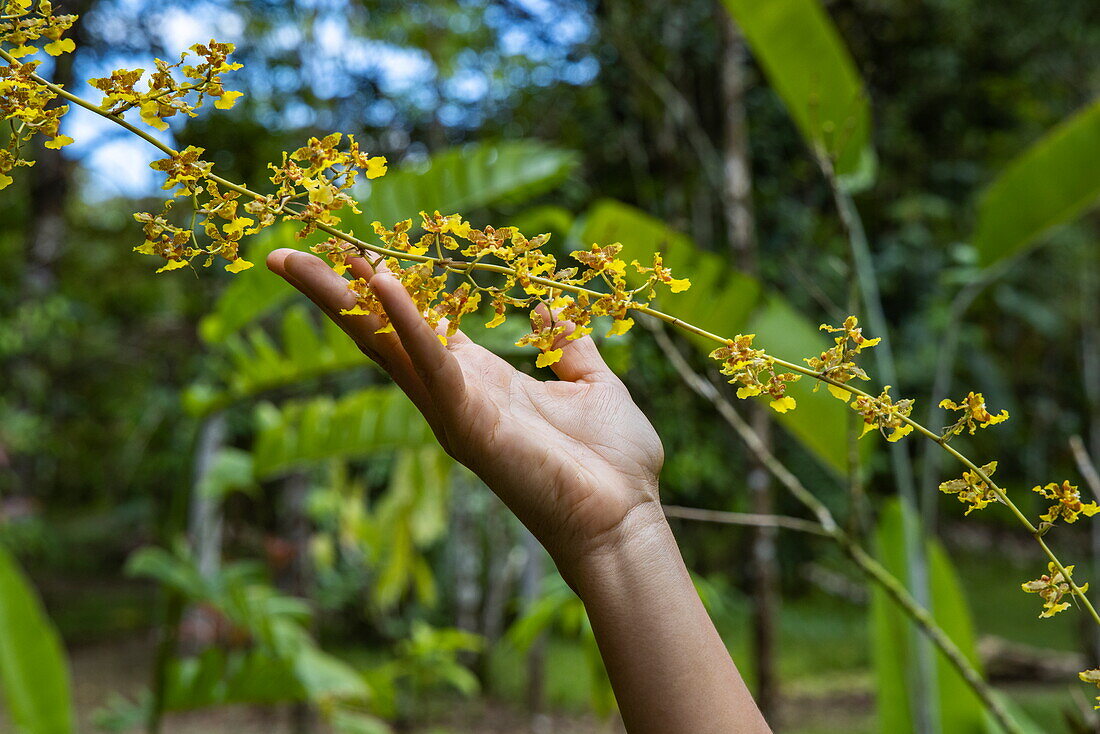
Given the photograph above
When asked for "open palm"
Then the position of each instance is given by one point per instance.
(573, 458)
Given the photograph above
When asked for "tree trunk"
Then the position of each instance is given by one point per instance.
(534, 564)
(500, 573)
(50, 181)
(204, 534)
(737, 206)
(295, 577)
(464, 556)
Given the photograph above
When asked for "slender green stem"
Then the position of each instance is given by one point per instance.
(463, 266)
(870, 567)
(81, 102)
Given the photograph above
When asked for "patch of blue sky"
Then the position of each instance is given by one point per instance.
(542, 46)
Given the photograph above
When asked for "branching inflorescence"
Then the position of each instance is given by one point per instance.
(441, 266)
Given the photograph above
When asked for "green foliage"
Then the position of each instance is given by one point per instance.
(237, 591)
(561, 611)
(429, 658)
(218, 677)
(1047, 185)
(821, 422)
(425, 663)
(120, 714)
(230, 471)
(720, 297)
(465, 178)
(727, 302)
(806, 61)
(370, 421)
(381, 545)
(95, 363)
(253, 292)
(34, 672)
(253, 363)
(411, 516)
(281, 661)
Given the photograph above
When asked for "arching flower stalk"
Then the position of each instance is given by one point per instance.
(313, 184)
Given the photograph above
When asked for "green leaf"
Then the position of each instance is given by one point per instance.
(252, 363)
(804, 58)
(465, 178)
(174, 571)
(230, 471)
(34, 673)
(355, 722)
(325, 677)
(366, 422)
(218, 678)
(284, 664)
(961, 712)
(720, 298)
(726, 302)
(1049, 184)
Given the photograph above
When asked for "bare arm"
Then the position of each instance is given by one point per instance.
(577, 462)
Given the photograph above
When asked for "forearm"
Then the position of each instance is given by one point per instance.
(669, 668)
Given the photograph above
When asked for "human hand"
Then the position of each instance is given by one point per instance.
(573, 458)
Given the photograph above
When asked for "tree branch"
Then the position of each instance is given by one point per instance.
(747, 519)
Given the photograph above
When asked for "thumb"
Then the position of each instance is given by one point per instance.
(580, 359)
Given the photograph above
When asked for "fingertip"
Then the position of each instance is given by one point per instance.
(384, 282)
(300, 264)
(297, 257)
(276, 260)
(550, 318)
(581, 362)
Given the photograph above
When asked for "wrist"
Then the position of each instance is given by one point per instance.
(641, 537)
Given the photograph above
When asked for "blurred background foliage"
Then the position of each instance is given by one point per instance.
(236, 523)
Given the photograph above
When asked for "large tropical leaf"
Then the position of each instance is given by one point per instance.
(804, 58)
(409, 517)
(34, 673)
(719, 297)
(455, 180)
(363, 423)
(960, 710)
(1048, 185)
(465, 178)
(251, 362)
(726, 302)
